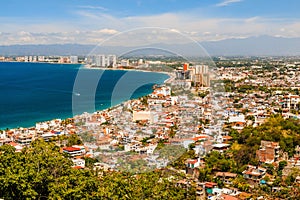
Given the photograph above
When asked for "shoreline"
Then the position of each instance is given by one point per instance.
(171, 75)
(168, 80)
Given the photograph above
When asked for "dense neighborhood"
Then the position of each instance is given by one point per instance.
(231, 131)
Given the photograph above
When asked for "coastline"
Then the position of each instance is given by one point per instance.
(168, 80)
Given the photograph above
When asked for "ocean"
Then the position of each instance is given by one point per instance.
(35, 92)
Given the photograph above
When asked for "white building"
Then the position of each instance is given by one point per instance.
(125, 63)
(152, 117)
(111, 61)
(104, 60)
(41, 58)
(78, 162)
(99, 60)
(74, 59)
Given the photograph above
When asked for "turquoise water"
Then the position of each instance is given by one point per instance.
(33, 92)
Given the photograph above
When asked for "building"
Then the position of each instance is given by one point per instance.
(192, 166)
(99, 60)
(150, 116)
(254, 173)
(24, 139)
(185, 66)
(291, 102)
(268, 152)
(140, 61)
(28, 58)
(64, 60)
(73, 151)
(74, 59)
(183, 74)
(125, 63)
(78, 162)
(111, 61)
(226, 177)
(41, 58)
(201, 75)
(104, 60)
(220, 147)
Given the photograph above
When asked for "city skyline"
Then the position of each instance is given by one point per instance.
(90, 22)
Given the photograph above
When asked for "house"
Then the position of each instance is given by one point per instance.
(24, 139)
(268, 152)
(102, 166)
(17, 146)
(220, 147)
(226, 177)
(227, 197)
(78, 162)
(47, 136)
(192, 167)
(209, 186)
(73, 151)
(227, 139)
(254, 173)
(150, 116)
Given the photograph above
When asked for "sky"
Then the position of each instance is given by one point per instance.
(93, 21)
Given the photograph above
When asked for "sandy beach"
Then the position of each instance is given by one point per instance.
(171, 75)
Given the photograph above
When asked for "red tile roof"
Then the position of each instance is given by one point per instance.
(210, 184)
(77, 167)
(193, 161)
(13, 144)
(228, 197)
(71, 149)
(227, 137)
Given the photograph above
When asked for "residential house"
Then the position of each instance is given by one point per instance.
(226, 177)
(254, 173)
(268, 152)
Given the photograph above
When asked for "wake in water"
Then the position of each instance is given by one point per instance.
(76, 94)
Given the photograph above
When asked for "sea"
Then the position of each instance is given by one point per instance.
(36, 92)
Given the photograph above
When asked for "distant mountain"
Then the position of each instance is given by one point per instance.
(252, 46)
(255, 46)
(51, 49)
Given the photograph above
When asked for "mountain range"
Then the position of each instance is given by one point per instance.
(252, 46)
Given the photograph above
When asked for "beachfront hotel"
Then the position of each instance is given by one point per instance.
(103, 60)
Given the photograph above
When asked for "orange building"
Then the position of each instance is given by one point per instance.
(185, 66)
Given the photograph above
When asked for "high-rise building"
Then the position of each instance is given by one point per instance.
(41, 58)
(185, 66)
(74, 59)
(111, 61)
(104, 60)
(34, 59)
(28, 59)
(100, 60)
(201, 75)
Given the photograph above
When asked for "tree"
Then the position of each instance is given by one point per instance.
(28, 174)
(218, 162)
(40, 171)
(74, 139)
(281, 165)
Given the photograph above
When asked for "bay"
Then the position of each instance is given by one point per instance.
(34, 92)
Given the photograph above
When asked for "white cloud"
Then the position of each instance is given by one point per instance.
(92, 27)
(107, 31)
(93, 7)
(227, 2)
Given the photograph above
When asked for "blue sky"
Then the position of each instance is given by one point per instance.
(90, 21)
